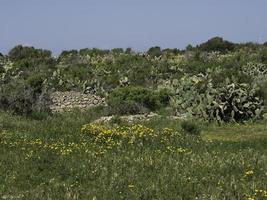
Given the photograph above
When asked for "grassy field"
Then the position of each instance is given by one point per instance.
(51, 158)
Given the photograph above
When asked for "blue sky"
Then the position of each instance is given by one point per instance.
(140, 24)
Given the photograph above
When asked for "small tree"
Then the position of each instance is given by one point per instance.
(217, 44)
(154, 51)
(21, 52)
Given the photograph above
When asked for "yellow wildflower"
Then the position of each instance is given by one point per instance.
(249, 173)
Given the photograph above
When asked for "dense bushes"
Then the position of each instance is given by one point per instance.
(132, 100)
(21, 98)
(22, 83)
(21, 52)
(154, 51)
(196, 78)
(217, 44)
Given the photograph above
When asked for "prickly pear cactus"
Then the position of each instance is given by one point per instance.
(255, 69)
(195, 96)
(236, 102)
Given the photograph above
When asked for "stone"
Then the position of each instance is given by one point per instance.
(61, 101)
(95, 102)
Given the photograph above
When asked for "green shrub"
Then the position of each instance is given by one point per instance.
(20, 52)
(190, 127)
(132, 100)
(125, 108)
(154, 51)
(20, 98)
(217, 44)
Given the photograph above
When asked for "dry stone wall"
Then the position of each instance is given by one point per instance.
(61, 101)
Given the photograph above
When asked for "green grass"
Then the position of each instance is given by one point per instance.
(237, 132)
(213, 167)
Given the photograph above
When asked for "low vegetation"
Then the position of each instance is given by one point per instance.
(67, 157)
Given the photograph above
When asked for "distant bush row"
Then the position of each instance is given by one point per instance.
(132, 82)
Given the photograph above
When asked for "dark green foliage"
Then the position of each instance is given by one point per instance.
(2, 70)
(219, 78)
(93, 52)
(132, 98)
(128, 50)
(21, 98)
(217, 44)
(171, 51)
(154, 51)
(189, 47)
(69, 57)
(125, 107)
(190, 127)
(22, 86)
(66, 53)
(117, 50)
(139, 72)
(22, 52)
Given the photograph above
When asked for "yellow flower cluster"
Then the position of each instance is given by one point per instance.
(130, 134)
(133, 135)
(98, 139)
(59, 147)
(178, 150)
(261, 193)
(258, 194)
(112, 136)
(249, 173)
(122, 131)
